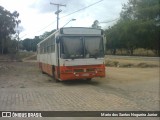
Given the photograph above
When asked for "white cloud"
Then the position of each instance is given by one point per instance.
(44, 6)
(35, 15)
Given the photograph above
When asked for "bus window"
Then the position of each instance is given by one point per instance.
(72, 47)
(53, 48)
(82, 47)
(93, 47)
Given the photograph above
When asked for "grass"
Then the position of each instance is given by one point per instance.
(130, 62)
(136, 52)
(20, 56)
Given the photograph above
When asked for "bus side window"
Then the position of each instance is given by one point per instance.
(38, 50)
(53, 48)
(53, 44)
(41, 50)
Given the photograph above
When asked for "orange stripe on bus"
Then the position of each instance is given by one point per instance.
(75, 72)
(81, 72)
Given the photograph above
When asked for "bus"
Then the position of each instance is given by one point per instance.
(73, 53)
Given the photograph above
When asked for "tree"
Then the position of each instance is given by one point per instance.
(8, 23)
(146, 18)
(112, 37)
(27, 44)
(31, 44)
(46, 34)
(96, 24)
(138, 27)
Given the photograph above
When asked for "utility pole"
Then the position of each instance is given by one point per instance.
(58, 11)
(18, 30)
(2, 46)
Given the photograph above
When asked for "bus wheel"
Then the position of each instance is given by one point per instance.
(57, 81)
(43, 72)
(54, 77)
(89, 79)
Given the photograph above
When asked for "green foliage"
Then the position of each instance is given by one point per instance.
(96, 24)
(46, 34)
(138, 27)
(8, 22)
(31, 44)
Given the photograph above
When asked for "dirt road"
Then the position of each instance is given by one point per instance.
(24, 87)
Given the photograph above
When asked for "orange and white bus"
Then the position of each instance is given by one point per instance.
(73, 53)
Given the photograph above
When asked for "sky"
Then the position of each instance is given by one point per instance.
(38, 16)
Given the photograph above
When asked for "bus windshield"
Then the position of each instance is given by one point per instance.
(81, 47)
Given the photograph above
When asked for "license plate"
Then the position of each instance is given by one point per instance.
(86, 74)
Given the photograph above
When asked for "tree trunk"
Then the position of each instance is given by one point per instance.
(2, 47)
(114, 51)
(158, 53)
(130, 51)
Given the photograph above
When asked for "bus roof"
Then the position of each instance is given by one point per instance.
(76, 31)
(81, 31)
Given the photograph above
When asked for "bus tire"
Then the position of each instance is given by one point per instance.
(88, 79)
(57, 81)
(43, 72)
(54, 77)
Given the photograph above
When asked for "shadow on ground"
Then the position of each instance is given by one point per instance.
(79, 82)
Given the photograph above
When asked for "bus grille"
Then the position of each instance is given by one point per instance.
(90, 70)
(78, 70)
(84, 70)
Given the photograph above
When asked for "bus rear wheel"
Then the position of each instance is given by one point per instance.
(54, 77)
(88, 79)
(43, 72)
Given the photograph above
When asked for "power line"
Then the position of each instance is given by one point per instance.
(110, 21)
(69, 15)
(58, 11)
(40, 29)
(73, 13)
(46, 26)
(82, 9)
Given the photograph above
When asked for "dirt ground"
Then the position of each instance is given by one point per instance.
(127, 88)
(19, 74)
